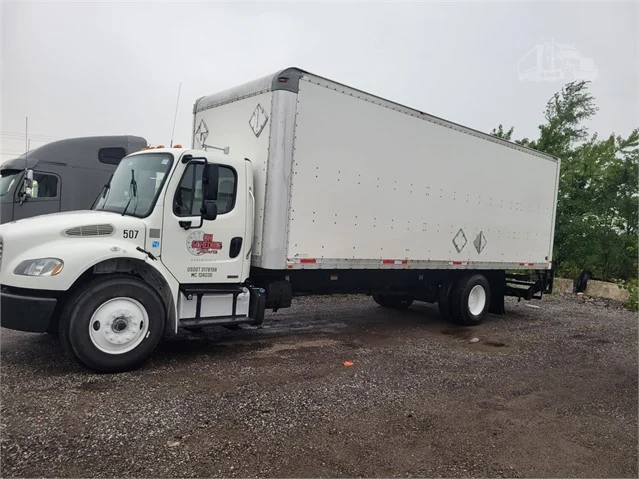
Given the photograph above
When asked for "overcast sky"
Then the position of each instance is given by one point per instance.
(91, 68)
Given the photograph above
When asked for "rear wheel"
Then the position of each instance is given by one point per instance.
(470, 299)
(113, 324)
(393, 301)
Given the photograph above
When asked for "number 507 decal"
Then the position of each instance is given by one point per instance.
(130, 233)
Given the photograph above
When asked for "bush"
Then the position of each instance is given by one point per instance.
(632, 287)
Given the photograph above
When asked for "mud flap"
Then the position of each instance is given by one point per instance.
(257, 306)
(497, 292)
(280, 295)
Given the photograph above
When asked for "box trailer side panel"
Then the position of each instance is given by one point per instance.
(374, 186)
(245, 125)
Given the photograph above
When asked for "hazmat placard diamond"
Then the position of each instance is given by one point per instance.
(201, 133)
(258, 120)
(480, 242)
(460, 240)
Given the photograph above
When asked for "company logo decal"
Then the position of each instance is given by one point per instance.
(199, 243)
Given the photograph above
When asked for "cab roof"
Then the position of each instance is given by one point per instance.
(77, 152)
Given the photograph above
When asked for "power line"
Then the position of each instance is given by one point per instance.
(12, 138)
(31, 135)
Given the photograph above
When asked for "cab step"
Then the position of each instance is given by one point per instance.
(211, 305)
(213, 321)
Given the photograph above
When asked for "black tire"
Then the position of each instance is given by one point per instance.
(77, 317)
(443, 303)
(393, 301)
(459, 303)
(379, 299)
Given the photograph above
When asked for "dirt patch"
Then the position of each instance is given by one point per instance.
(296, 344)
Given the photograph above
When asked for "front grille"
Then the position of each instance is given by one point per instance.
(90, 230)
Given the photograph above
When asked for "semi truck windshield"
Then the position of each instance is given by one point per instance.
(7, 180)
(150, 171)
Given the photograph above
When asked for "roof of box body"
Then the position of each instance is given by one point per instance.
(254, 87)
(289, 79)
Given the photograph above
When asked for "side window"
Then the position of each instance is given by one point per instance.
(44, 185)
(188, 197)
(111, 155)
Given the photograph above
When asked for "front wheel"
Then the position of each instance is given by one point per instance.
(113, 324)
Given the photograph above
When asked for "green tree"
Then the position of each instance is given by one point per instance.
(596, 224)
(500, 133)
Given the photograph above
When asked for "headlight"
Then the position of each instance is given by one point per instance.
(39, 267)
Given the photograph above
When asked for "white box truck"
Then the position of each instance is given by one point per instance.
(294, 185)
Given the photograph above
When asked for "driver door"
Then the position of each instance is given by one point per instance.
(212, 252)
(45, 196)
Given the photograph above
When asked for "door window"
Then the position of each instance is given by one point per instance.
(44, 185)
(188, 197)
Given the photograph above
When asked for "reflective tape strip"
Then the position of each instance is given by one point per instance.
(394, 261)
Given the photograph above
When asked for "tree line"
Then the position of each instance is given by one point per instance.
(598, 202)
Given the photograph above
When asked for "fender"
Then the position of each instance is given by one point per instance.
(152, 272)
(90, 256)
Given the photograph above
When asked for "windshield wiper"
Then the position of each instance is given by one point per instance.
(134, 188)
(103, 193)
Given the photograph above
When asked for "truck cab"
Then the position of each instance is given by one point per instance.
(63, 175)
(167, 244)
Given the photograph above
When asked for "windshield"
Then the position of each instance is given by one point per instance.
(9, 177)
(149, 171)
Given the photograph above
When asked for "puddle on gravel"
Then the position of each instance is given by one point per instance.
(496, 344)
(494, 347)
(463, 333)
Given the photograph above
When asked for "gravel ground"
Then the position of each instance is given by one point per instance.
(547, 391)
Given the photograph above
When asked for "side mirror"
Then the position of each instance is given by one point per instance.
(210, 180)
(26, 189)
(209, 210)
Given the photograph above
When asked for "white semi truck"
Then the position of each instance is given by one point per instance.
(294, 185)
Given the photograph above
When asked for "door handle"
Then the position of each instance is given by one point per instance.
(236, 247)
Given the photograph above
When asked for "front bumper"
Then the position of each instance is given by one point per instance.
(25, 312)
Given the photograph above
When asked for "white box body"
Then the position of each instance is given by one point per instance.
(347, 180)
